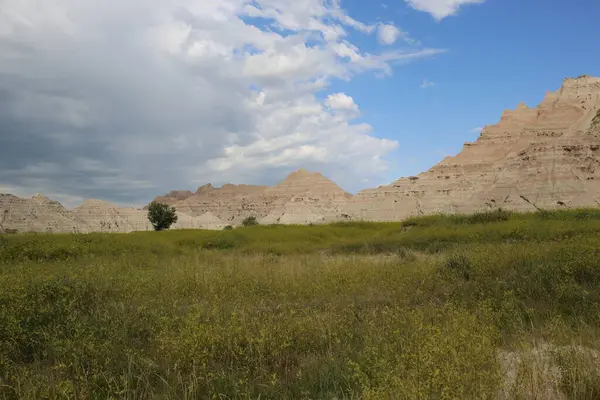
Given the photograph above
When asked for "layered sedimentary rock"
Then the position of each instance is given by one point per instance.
(174, 196)
(41, 214)
(303, 198)
(37, 214)
(230, 203)
(102, 216)
(544, 157)
(204, 221)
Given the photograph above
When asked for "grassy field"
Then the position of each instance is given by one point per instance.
(487, 306)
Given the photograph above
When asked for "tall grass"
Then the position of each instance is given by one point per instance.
(429, 308)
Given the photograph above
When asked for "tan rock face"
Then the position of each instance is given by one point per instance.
(102, 216)
(230, 203)
(40, 214)
(37, 214)
(303, 198)
(544, 157)
(173, 197)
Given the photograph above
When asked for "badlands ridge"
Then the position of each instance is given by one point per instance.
(546, 157)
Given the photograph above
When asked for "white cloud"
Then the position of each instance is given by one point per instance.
(427, 84)
(341, 101)
(477, 130)
(388, 34)
(440, 9)
(125, 100)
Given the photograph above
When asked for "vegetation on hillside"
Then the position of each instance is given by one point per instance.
(437, 307)
(250, 221)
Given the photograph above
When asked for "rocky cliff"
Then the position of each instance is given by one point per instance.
(37, 214)
(41, 214)
(303, 197)
(230, 203)
(174, 196)
(544, 157)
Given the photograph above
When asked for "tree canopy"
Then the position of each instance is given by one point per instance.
(161, 216)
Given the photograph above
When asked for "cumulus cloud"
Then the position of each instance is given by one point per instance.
(341, 101)
(125, 100)
(440, 9)
(388, 34)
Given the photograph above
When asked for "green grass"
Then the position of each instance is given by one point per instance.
(429, 308)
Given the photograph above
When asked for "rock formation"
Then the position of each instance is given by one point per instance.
(230, 203)
(173, 197)
(204, 221)
(102, 216)
(37, 214)
(40, 214)
(546, 157)
(303, 198)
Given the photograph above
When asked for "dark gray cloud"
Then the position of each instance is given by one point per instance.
(123, 101)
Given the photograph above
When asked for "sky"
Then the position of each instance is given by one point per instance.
(123, 100)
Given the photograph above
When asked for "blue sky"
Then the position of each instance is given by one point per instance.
(125, 99)
(499, 53)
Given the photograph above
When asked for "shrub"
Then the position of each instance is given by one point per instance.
(485, 217)
(459, 264)
(249, 221)
(489, 217)
(161, 216)
(373, 247)
(228, 228)
(220, 243)
(544, 214)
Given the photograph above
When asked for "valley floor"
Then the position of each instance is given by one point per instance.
(486, 306)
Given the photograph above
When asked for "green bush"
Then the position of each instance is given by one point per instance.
(372, 247)
(459, 264)
(250, 221)
(489, 217)
(221, 243)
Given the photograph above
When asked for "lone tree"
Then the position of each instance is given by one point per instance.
(161, 216)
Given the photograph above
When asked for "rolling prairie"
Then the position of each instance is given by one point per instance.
(484, 306)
